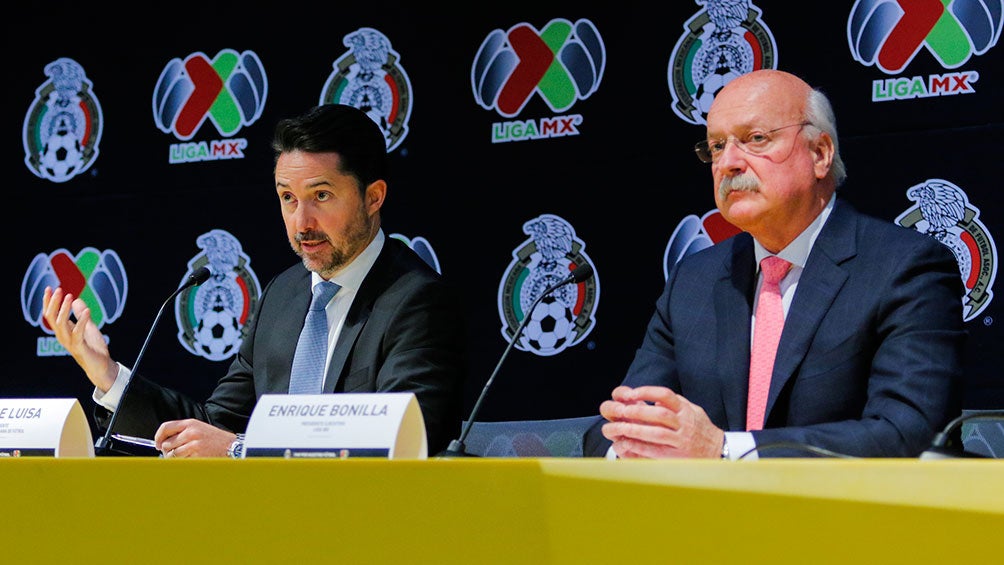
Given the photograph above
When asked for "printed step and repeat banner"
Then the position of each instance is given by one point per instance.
(523, 142)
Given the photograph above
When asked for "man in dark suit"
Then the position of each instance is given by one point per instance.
(869, 358)
(394, 323)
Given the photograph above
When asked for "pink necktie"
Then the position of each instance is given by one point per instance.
(766, 334)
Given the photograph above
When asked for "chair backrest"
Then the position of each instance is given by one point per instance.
(561, 437)
(984, 436)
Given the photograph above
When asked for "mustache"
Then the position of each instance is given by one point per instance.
(746, 182)
(310, 236)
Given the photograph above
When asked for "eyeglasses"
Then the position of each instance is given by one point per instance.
(753, 143)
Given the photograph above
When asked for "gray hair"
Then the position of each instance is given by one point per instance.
(819, 113)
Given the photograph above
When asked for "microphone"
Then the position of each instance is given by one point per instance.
(456, 447)
(104, 445)
(939, 445)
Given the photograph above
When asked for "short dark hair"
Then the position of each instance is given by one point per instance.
(337, 128)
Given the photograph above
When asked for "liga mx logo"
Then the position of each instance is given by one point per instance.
(228, 90)
(889, 34)
(213, 317)
(943, 211)
(563, 63)
(566, 316)
(724, 40)
(693, 234)
(369, 78)
(63, 126)
(96, 277)
(422, 248)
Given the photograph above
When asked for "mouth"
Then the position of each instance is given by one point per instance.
(311, 242)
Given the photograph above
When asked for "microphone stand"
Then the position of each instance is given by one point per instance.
(104, 445)
(457, 447)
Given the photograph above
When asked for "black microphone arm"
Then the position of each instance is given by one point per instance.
(103, 445)
(457, 447)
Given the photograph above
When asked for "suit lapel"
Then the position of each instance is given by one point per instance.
(818, 286)
(369, 290)
(346, 341)
(286, 329)
(733, 308)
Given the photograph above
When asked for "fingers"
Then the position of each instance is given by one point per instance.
(56, 307)
(51, 301)
(169, 439)
(647, 433)
(167, 431)
(83, 315)
(650, 394)
(640, 412)
(653, 421)
(192, 438)
(634, 449)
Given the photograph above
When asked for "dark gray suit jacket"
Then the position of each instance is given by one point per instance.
(405, 332)
(870, 359)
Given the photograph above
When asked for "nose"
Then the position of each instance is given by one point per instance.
(302, 218)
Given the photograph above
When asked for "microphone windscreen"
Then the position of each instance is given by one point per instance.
(200, 276)
(582, 272)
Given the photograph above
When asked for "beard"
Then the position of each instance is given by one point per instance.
(355, 236)
(746, 182)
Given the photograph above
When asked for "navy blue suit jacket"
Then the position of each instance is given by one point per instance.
(404, 333)
(869, 362)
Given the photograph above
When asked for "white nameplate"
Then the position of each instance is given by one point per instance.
(48, 427)
(386, 425)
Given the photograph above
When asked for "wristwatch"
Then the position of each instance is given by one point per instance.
(236, 449)
(725, 448)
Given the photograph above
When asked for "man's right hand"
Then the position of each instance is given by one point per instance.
(82, 339)
(655, 422)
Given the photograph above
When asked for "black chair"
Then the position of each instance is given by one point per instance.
(561, 437)
(983, 433)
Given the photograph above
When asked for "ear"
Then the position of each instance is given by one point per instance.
(822, 155)
(375, 194)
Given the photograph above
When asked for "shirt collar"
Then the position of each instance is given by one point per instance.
(351, 277)
(797, 252)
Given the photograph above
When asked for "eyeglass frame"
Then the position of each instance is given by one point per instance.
(703, 146)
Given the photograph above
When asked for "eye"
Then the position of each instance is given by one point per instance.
(716, 145)
(323, 196)
(286, 197)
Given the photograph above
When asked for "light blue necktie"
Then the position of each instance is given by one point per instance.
(307, 375)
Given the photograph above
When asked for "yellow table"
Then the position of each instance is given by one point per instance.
(522, 511)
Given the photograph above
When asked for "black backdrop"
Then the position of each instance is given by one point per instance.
(624, 182)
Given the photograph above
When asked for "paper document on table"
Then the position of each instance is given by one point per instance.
(136, 440)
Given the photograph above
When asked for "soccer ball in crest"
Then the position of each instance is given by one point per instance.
(218, 333)
(550, 328)
(708, 88)
(61, 155)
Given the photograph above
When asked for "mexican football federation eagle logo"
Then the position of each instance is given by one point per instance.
(724, 40)
(369, 77)
(63, 127)
(943, 211)
(214, 317)
(566, 316)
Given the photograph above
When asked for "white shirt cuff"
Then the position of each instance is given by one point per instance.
(740, 443)
(110, 399)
